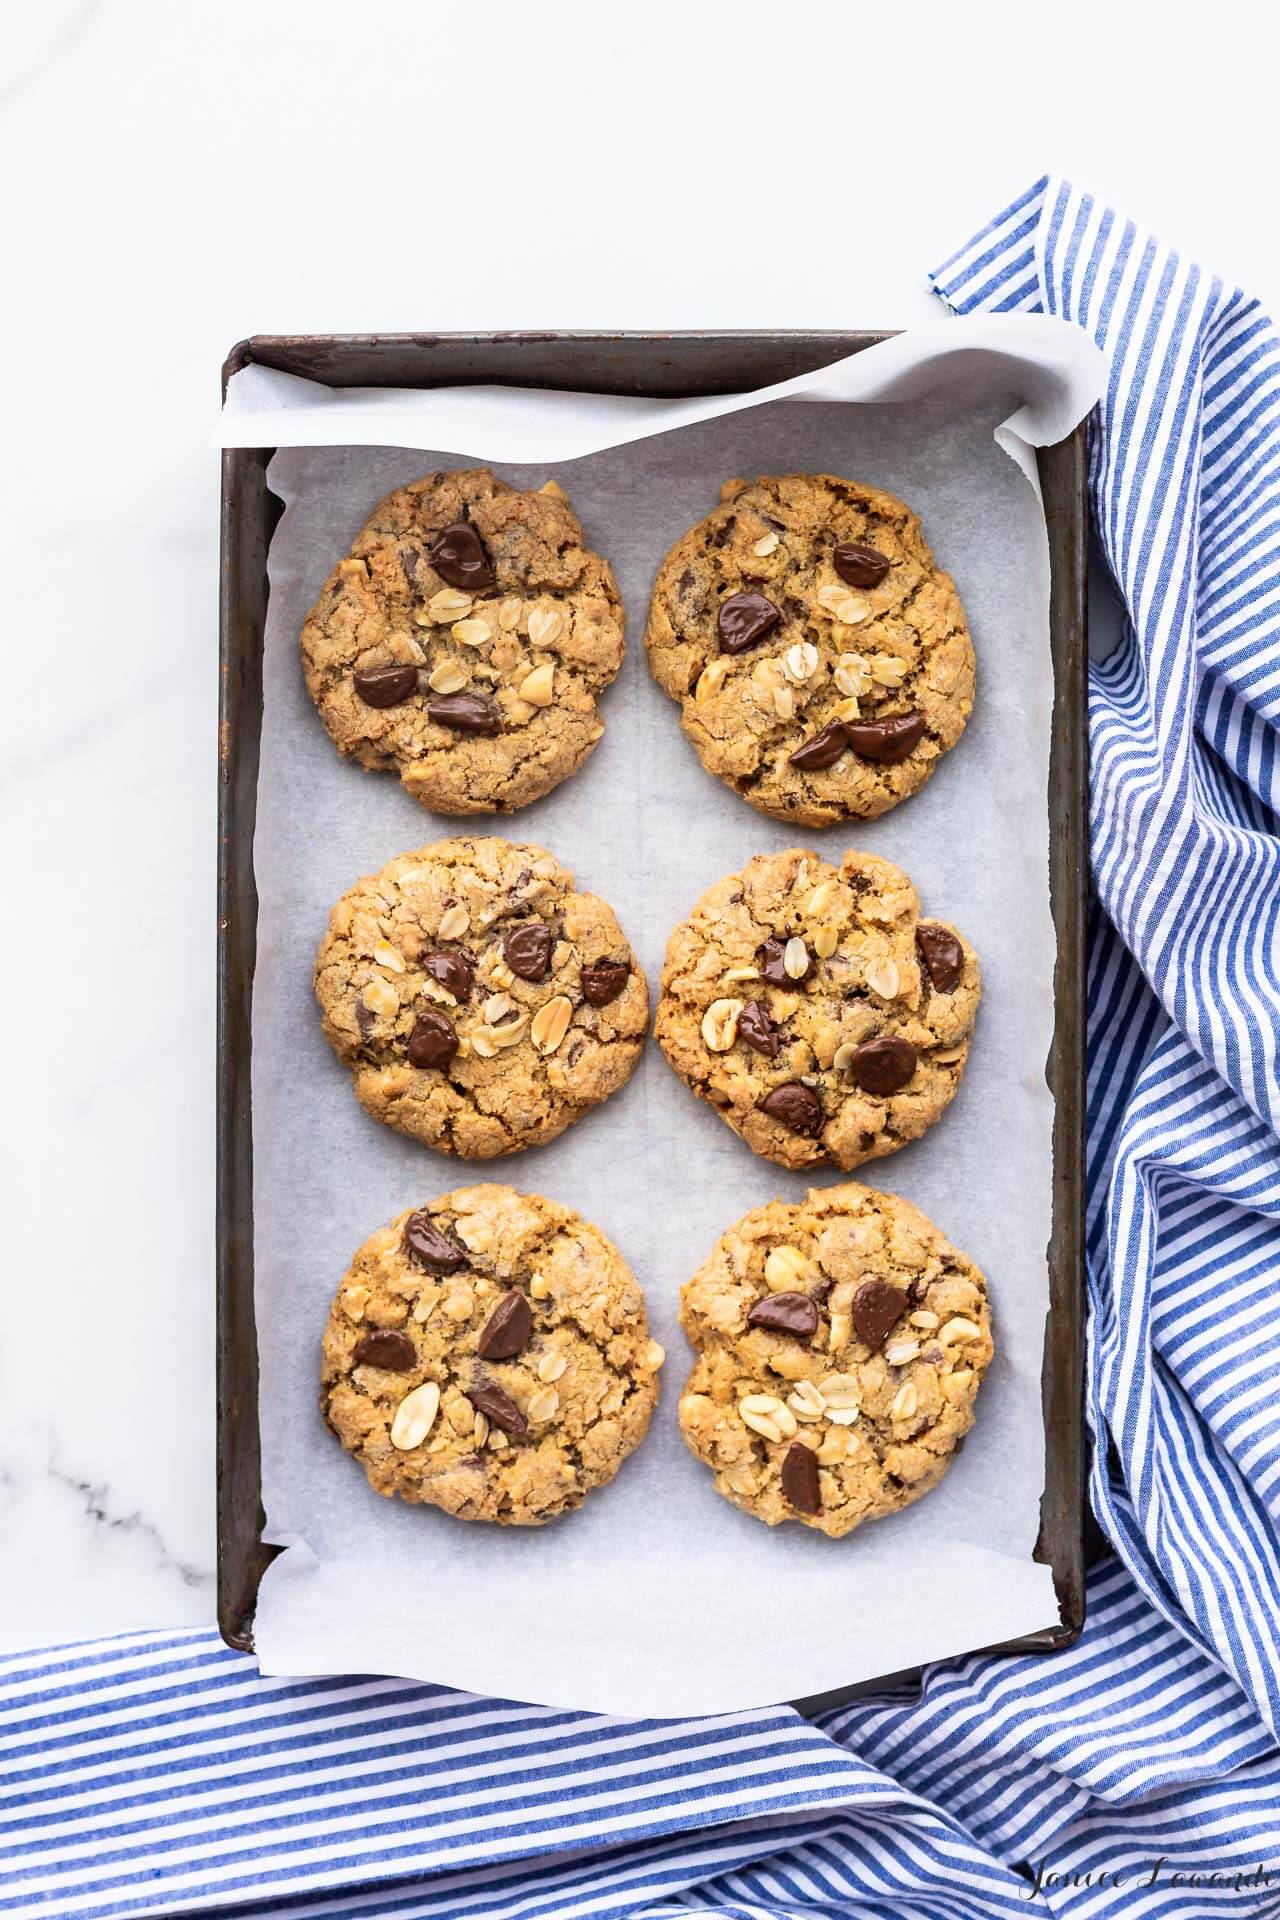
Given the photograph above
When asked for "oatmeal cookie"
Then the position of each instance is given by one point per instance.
(841, 1344)
(481, 1003)
(814, 1009)
(489, 1354)
(463, 641)
(820, 656)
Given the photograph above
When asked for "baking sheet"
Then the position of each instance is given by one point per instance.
(657, 1597)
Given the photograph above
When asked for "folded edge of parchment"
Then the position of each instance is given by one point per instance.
(1053, 366)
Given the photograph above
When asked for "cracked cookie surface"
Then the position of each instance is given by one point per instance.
(489, 1354)
(463, 641)
(841, 1344)
(813, 1008)
(481, 1003)
(820, 656)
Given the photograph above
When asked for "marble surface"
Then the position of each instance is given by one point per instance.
(182, 176)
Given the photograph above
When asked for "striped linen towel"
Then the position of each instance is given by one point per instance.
(1138, 1772)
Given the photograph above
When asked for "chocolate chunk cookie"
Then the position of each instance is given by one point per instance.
(820, 656)
(489, 1354)
(463, 641)
(481, 1003)
(815, 1010)
(841, 1344)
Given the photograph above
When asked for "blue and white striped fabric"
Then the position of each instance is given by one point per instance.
(160, 1774)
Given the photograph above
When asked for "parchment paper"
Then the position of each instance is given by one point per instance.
(657, 1598)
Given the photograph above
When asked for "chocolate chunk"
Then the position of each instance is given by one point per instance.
(433, 1041)
(427, 1246)
(384, 1347)
(796, 1106)
(454, 971)
(877, 1309)
(489, 1398)
(744, 620)
(800, 1478)
(883, 1065)
(603, 981)
(860, 566)
(891, 739)
(507, 1329)
(942, 954)
(465, 713)
(527, 950)
(756, 1027)
(366, 1019)
(458, 556)
(773, 964)
(409, 564)
(786, 1313)
(821, 750)
(387, 686)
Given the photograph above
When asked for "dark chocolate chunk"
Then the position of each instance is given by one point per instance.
(497, 1406)
(773, 964)
(603, 981)
(428, 1246)
(744, 620)
(821, 750)
(387, 686)
(527, 950)
(465, 713)
(454, 971)
(384, 1347)
(507, 1329)
(458, 556)
(942, 954)
(366, 1019)
(860, 566)
(433, 1041)
(877, 1309)
(409, 564)
(800, 1478)
(756, 1026)
(890, 739)
(770, 958)
(786, 1313)
(883, 1065)
(796, 1106)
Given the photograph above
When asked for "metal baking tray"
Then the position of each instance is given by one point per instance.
(660, 365)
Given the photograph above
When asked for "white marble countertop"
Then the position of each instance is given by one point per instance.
(182, 176)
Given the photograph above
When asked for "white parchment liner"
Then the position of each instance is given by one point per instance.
(657, 1598)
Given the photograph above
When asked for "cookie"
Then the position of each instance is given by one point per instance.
(841, 1344)
(489, 1354)
(820, 655)
(463, 641)
(814, 1009)
(481, 1003)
